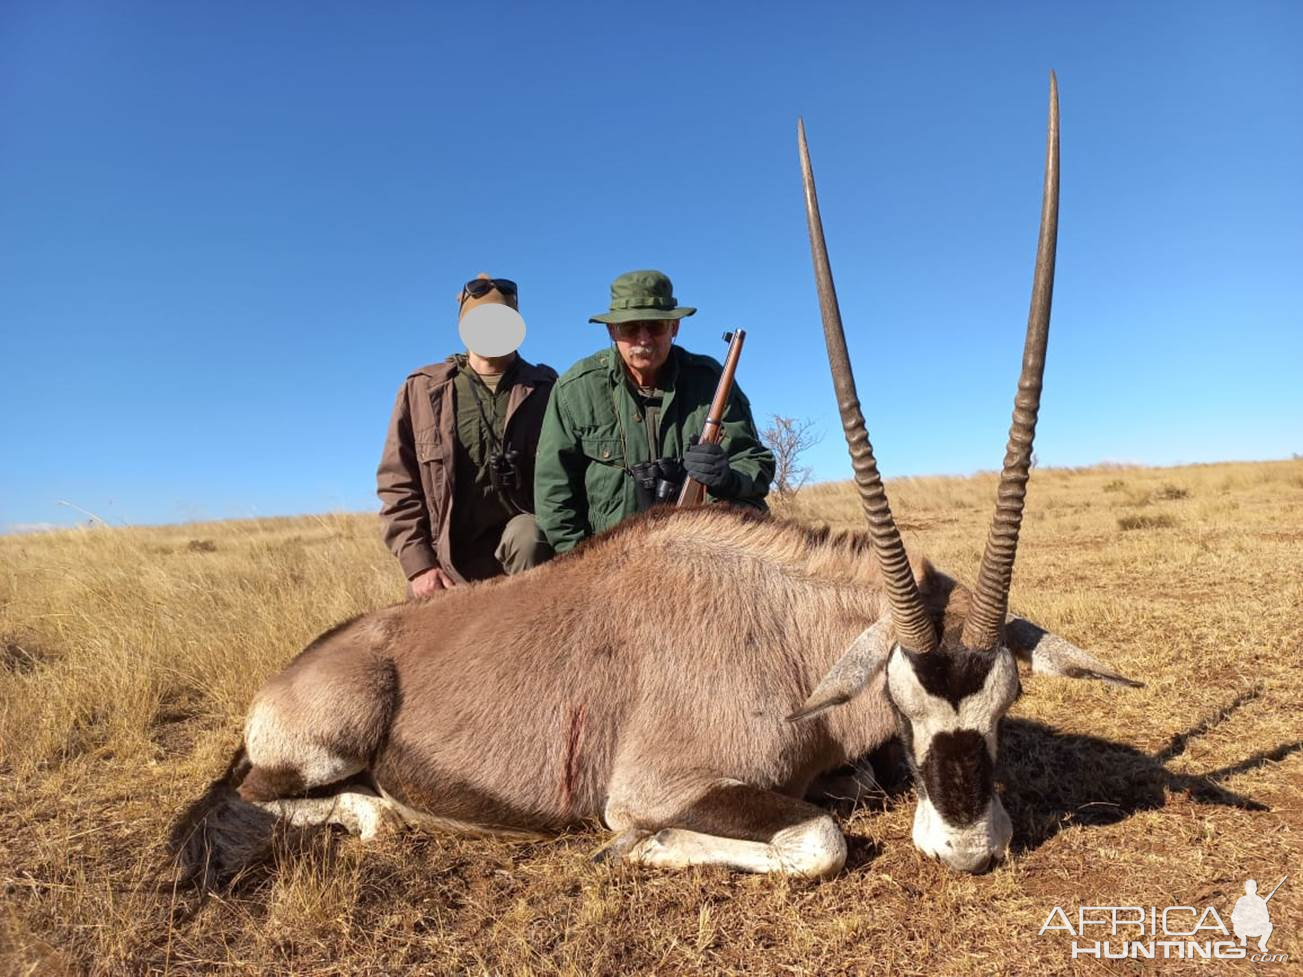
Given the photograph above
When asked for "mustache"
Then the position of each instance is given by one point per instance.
(641, 350)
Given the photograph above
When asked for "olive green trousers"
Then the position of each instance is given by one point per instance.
(523, 545)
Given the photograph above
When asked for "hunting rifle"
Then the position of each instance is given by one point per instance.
(694, 493)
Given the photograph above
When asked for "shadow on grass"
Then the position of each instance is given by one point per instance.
(1055, 780)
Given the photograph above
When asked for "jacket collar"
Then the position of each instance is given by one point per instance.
(524, 372)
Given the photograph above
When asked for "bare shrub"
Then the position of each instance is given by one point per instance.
(788, 438)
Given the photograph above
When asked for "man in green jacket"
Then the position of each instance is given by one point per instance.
(621, 425)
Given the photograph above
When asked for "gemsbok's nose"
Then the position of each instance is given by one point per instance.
(974, 863)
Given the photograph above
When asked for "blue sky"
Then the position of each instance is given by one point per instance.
(228, 231)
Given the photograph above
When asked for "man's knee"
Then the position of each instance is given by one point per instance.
(523, 545)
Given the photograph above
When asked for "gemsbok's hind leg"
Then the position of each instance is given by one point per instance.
(735, 825)
(319, 723)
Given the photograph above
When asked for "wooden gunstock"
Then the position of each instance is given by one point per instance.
(693, 492)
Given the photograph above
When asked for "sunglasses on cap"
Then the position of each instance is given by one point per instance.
(477, 288)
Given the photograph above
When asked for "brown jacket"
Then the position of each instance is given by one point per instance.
(415, 477)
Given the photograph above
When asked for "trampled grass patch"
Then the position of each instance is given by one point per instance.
(130, 655)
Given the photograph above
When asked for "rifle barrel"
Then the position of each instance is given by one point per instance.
(1273, 891)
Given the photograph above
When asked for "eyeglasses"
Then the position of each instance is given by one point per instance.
(477, 288)
(656, 327)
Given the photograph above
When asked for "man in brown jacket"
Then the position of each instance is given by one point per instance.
(456, 480)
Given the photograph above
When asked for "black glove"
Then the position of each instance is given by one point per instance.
(708, 464)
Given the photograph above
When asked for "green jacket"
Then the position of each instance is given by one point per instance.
(592, 434)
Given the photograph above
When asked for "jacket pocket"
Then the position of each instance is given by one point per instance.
(428, 450)
(604, 481)
(434, 475)
(603, 450)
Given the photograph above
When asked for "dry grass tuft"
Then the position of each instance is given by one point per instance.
(1140, 520)
(127, 657)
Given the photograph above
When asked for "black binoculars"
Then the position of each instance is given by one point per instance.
(657, 482)
(504, 472)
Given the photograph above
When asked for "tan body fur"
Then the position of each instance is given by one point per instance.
(587, 689)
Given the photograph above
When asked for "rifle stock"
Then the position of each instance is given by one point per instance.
(693, 492)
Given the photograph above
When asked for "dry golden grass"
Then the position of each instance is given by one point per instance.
(128, 656)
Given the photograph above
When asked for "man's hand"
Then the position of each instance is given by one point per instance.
(708, 464)
(429, 582)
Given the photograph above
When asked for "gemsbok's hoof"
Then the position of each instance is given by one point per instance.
(619, 845)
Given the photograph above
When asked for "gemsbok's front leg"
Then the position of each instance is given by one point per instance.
(736, 825)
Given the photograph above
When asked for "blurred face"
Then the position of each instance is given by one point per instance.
(644, 346)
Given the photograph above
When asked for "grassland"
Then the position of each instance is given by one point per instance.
(127, 657)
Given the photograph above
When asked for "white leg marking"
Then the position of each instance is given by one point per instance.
(680, 848)
(814, 848)
(365, 815)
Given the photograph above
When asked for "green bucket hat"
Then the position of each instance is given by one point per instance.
(643, 295)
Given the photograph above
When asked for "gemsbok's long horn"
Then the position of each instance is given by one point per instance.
(991, 594)
(914, 628)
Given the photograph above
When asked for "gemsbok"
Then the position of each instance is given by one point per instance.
(683, 678)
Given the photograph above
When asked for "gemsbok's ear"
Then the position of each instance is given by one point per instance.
(853, 671)
(1048, 654)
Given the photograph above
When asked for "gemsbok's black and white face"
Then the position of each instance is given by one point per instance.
(948, 706)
